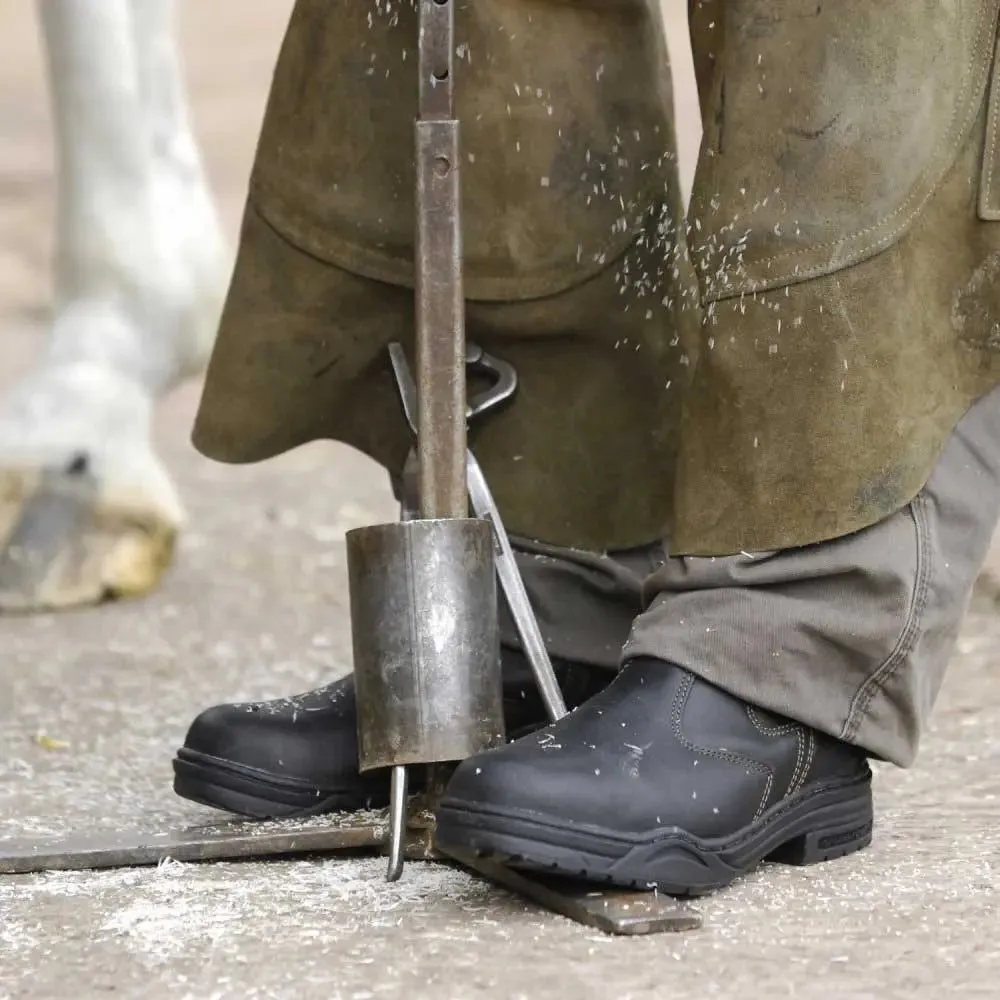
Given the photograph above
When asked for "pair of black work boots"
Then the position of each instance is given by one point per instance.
(655, 778)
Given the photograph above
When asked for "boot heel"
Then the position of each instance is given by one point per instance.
(834, 837)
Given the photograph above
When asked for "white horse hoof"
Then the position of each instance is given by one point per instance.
(87, 511)
(64, 545)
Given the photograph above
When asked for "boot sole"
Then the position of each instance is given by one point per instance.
(825, 822)
(248, 791)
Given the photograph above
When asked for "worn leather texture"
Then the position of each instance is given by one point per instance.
(658, 749)
(849, 283)
(557, 139)
(575, 270)
(791, 379)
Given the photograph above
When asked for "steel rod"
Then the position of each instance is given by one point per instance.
(440, 307)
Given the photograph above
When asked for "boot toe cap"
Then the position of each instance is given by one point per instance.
(531, 778)
(315, 745)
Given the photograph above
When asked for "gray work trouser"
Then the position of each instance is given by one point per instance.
(850, 636)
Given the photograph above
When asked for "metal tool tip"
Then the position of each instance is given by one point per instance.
(397, 823)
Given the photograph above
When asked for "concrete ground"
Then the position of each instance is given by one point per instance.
(93, 704)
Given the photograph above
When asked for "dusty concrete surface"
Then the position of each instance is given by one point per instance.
(256, 607)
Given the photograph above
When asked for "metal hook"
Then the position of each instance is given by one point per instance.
(503, 388)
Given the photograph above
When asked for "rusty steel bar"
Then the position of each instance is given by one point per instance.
(440, 306)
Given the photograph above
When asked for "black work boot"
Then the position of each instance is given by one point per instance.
(661, 781)
(298, 756)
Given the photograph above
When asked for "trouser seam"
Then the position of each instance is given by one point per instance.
(876, 682)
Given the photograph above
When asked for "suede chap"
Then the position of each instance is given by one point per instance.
(575, 272)
(783, 369)
(847, 260)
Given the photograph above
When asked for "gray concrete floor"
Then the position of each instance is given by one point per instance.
(256, 607)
